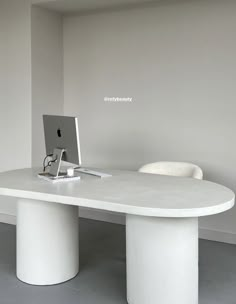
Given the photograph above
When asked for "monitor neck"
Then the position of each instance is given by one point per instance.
(56, 161)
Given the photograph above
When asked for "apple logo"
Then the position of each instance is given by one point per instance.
(58, 132)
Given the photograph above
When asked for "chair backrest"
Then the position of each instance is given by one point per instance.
(174, 169)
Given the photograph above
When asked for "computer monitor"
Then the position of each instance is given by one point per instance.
(61, 141)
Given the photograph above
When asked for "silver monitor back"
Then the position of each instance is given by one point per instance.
(61, 132)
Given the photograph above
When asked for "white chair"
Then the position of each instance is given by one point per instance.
(174, 169)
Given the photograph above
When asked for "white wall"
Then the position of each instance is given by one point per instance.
(47, 74)
(177, 61)
(15, 90)
(23, 99)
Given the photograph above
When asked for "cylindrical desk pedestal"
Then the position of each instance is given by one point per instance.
(47, 242)
(162, 260)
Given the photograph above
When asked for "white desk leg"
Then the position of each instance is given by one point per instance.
(47, 242)
(162, 260)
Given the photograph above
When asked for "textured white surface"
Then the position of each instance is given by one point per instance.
(173, 169)
(47, 242)
(162, 260)
(126, 191)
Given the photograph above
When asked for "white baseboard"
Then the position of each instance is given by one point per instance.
(119, 218)
(7, 218)
(104, 216)
(204, 233)
(217, 235)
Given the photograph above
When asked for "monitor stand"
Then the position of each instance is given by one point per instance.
(54, 173)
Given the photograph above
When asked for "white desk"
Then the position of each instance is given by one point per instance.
(161, 228)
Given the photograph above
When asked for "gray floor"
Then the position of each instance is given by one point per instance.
(102, 278)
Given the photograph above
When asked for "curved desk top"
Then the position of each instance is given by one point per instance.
(126, 191)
